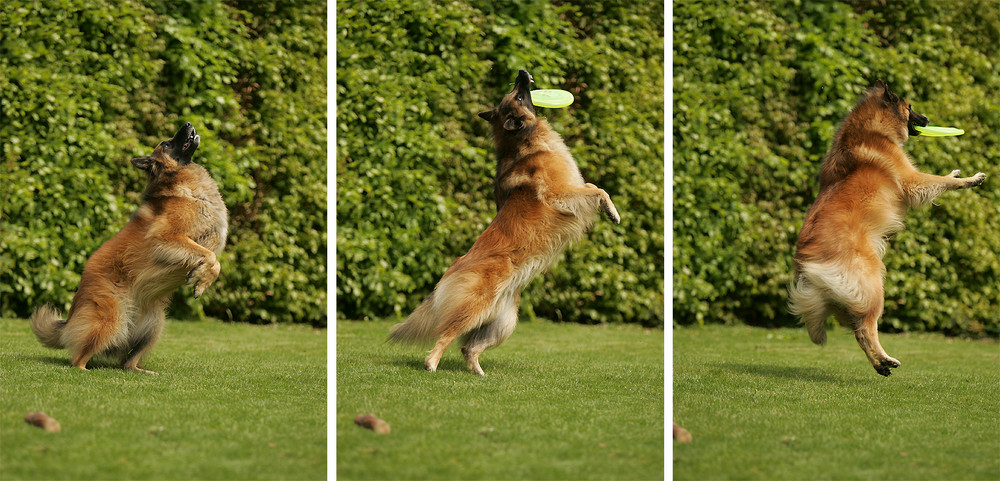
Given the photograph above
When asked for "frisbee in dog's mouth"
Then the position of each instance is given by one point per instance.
(935, 131)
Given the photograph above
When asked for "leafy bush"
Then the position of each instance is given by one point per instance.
(759, 89)
(415, 165)
(85, 86)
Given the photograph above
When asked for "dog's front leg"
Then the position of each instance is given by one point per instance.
(572, 199)
(922, 188)
(204, 274)
(606, 204)
(201, 264)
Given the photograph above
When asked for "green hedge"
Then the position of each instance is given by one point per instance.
(415, 164)
(85, 86)
(759, 88)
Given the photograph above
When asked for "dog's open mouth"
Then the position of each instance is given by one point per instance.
(192, 141)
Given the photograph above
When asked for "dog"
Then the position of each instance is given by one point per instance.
(543, 205)
(867, 183)
(174, 238)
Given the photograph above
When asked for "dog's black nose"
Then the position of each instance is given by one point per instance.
(187, 124)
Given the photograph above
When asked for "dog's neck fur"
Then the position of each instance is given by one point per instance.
(510, 152)
(175, 187)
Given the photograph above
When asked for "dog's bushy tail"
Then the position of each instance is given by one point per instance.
(420, 326)
(47, 324)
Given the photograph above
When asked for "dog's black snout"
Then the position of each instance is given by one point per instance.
(187, 124)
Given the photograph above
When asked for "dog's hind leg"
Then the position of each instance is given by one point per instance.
(431, 363)
(867, 336)
(866, 331)
(145, 333)
(810, 302)
(491, 334)
(458, 326)
(93, 326)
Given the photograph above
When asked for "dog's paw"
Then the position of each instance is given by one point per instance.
(202, 276)
(613, 214)
(200, 289)
(955, 173)
(886, 365)
(609, 209)
(977, 179)
(192, 276)
(144, 371)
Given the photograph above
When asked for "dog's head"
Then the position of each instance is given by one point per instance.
(515, 114)
(171, 154)
(901, 110)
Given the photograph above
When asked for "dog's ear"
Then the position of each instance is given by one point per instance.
(143, 163)
(887, 94)
(513, 124)
(488, 115)
(890, 97)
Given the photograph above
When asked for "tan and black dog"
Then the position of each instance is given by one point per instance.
(173, 239)
(867, 183)
(543, 206)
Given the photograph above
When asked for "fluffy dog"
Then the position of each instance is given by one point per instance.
(173, 239)
(543, 206)
(867, 183)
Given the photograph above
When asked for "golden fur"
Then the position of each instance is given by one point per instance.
(543, 206)
(867, 183)
(173, 238)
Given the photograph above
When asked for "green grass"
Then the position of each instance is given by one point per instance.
(770, 405)
(560, 401)
(232, 401)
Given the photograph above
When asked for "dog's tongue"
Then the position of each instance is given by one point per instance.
(191, 138)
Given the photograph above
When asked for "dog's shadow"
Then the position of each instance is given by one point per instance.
(782, 372)
(447, 365)
(94, 363)
(57, 361)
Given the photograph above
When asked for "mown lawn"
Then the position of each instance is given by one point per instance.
(560, 401)
(231, 401)
(770, 405)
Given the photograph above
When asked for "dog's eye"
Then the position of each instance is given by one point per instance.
(518, 98)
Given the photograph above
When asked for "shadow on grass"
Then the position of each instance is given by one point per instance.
(58, 361)
(784, 372)
(417, 364)
(94, 363)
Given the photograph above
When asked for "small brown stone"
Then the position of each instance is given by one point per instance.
(681, 435)
(43, 421)
(371, 422)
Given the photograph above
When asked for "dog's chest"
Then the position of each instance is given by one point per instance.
(213, 223)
